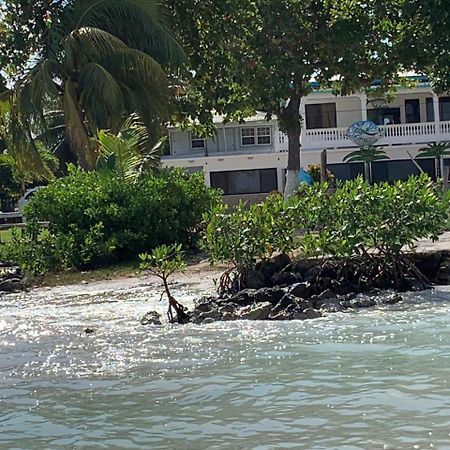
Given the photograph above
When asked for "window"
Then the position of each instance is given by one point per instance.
(444, 108)
(245, 181)
(384, 116)
(256, 136)
(197, 142)
(412, 111)
(321, 115)
(248, 136)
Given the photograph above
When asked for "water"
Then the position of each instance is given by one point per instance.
(375, 379)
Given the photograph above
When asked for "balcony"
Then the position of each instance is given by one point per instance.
(404, 134)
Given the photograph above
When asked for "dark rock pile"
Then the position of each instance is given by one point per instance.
(278, 303)
(11, 278)
(283, 290)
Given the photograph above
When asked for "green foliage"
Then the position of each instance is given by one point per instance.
(359, 218)
(96, 219)
(163, 261)
(125, 153)
(367, 154)
(248, 234)
(97, 61)
(375, 224)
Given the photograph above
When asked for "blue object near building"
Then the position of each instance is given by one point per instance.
(305, 177)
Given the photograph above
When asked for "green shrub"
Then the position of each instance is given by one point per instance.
(95, 218)
(246, 235)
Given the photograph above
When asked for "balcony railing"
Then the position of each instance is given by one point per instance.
(335, 138)
(410, 133)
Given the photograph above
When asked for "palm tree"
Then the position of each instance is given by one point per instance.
(27, 159)
(438, 151)
(102, 60)
(125, 154)
(367, 154)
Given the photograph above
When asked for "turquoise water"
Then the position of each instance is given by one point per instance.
(375, 379)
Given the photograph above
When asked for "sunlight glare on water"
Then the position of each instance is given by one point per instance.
(374, 379)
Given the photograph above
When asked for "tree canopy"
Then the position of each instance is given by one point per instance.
(264, 54)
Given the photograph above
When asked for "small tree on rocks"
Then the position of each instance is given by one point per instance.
(162, 262)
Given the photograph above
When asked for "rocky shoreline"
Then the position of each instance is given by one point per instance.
(282, 290)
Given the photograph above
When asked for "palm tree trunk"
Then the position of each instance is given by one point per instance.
(75, 130)
(367, 172)
(291, 122)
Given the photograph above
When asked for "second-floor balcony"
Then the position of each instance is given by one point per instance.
(401, 134)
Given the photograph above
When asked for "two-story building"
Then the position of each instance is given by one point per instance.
(251, 158)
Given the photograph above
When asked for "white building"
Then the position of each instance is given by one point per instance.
(251, 158)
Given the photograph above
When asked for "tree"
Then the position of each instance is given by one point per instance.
(125, 153)
(438, 151)
(263, 54)
(100, 61)
(367, 154)
(163, 262)
(26, 160)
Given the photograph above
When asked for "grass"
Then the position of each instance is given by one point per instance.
(111, 272)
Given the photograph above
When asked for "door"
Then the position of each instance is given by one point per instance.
(412, 111)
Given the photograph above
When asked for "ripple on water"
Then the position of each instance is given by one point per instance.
(365, 380)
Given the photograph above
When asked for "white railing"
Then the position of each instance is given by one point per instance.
(319, 139)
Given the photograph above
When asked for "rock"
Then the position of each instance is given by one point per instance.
(267, 268)
(284, 279)
(302, 304)
(244, 297)
(207, 320)
(312, 274)
(259, 311)
(281, 262)
(89, 330)
(326, 295)
(151, 318)
(331, 305)
(229, 316)
(255, 279)
(297, 315)
(213, 314)
(391, 299)
(303, 290)
(285, 302)
(363, 302)
(11, 285)
(228, 308)
(341, 287)
(272, 295)
(205, 306)
(311, 313)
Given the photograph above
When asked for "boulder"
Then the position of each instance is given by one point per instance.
(260, 311)
(272, 295)
(311, 313)
(267, 268)
(303, 290)
(255, 279)
(151, 318)
(284, 279)
(11, 285)
(244, 297)
(281, 262)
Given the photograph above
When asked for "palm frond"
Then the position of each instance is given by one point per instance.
(140, 24)
(101, 96)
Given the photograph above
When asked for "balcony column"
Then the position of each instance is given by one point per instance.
(363, 99)
(437, 118)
